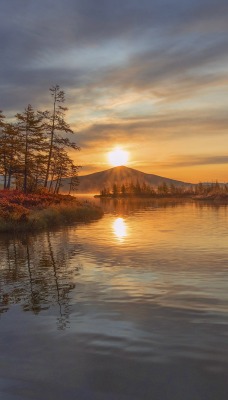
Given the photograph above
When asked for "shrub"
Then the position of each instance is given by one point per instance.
(19, 211)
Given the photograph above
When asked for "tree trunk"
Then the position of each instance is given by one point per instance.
(51, 144)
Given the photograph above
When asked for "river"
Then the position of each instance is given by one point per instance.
(133, 306)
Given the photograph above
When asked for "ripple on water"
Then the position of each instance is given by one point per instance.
(142, 292)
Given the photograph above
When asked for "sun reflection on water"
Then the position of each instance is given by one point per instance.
(120, 228)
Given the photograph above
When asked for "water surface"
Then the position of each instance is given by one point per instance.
(133, 306)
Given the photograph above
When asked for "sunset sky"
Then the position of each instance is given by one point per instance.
(149, 76)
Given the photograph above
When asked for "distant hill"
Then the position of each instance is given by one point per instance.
(93, 183)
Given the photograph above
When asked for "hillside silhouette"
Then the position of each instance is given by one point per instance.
(93, 183)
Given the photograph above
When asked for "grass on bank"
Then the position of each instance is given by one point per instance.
(30, 212)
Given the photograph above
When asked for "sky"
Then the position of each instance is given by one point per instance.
(149, 76)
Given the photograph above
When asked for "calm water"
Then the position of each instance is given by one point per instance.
(133, 306)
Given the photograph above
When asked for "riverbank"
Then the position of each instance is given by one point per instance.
(215, 197)
(210, 197)
(31, 212)
(144, 196)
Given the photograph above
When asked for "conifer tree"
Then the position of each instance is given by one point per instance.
(2, 148)
(33, 150)
(29, 125)
(74, 182)
(12, 148)
(55, 125)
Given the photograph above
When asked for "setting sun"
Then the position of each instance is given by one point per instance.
(118, 157)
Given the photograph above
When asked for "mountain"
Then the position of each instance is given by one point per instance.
(93, 183)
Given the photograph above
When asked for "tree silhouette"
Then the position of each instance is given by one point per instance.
(33, 149)
(55, 125)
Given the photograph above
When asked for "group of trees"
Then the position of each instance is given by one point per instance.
(145, 190)
(33, 148)
(141, 189)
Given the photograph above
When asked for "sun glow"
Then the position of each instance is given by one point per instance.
(119, 228)
(118, 157)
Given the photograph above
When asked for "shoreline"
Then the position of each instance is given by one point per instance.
(215, 197)
(35, 212)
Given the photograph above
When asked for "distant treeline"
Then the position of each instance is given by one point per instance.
(144, 190)
(33, 150)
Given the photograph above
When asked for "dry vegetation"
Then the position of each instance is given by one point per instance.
(19, 211)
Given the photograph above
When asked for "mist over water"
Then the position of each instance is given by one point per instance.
(133, 306)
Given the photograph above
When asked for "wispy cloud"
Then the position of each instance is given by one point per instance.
(192, 160)
(132, 71)
(163, 127)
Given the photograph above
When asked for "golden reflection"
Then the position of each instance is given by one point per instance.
(120, 228)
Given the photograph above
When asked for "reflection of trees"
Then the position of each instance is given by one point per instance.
(216, 205)
(36, 272)
(133, 205)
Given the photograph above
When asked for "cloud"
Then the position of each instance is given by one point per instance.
(159, 40)
(192, 160)
(131, 69)
(163, 127)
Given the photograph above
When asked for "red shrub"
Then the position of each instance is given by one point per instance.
(15, 205)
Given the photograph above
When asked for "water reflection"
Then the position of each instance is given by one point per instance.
(35, 274)
(154, 306)
(120, 228)
(123, 206)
